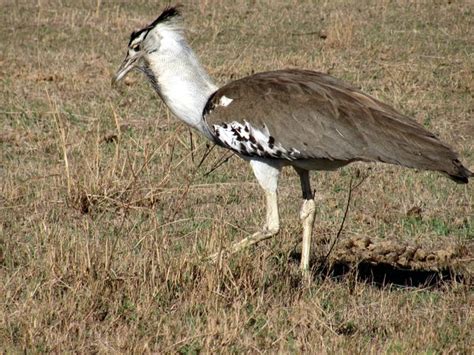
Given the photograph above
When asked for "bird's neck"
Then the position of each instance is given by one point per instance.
(178, 77)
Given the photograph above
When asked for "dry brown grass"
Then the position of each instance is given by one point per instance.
(105, 217)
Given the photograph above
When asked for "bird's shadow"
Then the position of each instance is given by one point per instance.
(383, 274)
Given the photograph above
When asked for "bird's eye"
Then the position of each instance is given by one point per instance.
(136, 48)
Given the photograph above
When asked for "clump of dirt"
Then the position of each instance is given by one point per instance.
(403, 254)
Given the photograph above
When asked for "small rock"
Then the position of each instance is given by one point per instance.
(409, 252)
(420, 255)
(362, 243)
(403, 261)
(392, 257)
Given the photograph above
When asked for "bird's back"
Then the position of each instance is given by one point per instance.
(315, 116)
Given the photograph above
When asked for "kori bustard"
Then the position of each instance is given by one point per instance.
(301, 118)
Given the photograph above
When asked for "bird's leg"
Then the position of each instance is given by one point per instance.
(267, 176)
(308, 211)
(307, 214)
(271, 227)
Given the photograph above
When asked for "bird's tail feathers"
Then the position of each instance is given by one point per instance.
(462, 174)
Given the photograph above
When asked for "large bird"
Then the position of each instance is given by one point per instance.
(305, 119)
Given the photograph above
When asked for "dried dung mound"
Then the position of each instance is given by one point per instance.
(403, 255)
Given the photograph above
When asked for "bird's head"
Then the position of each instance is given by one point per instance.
(147, 41)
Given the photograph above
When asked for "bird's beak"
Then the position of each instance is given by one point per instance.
(127, 65)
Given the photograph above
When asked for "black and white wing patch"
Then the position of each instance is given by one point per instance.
(244, 138)
(251, 141)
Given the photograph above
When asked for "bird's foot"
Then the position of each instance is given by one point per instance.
(255, 238)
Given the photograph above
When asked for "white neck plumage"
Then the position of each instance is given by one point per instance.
(180, 80)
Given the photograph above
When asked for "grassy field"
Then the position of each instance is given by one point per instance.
(105, 216)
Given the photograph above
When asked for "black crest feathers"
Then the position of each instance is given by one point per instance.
(167, 14)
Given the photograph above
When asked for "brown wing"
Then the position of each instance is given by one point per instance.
(321, 117)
